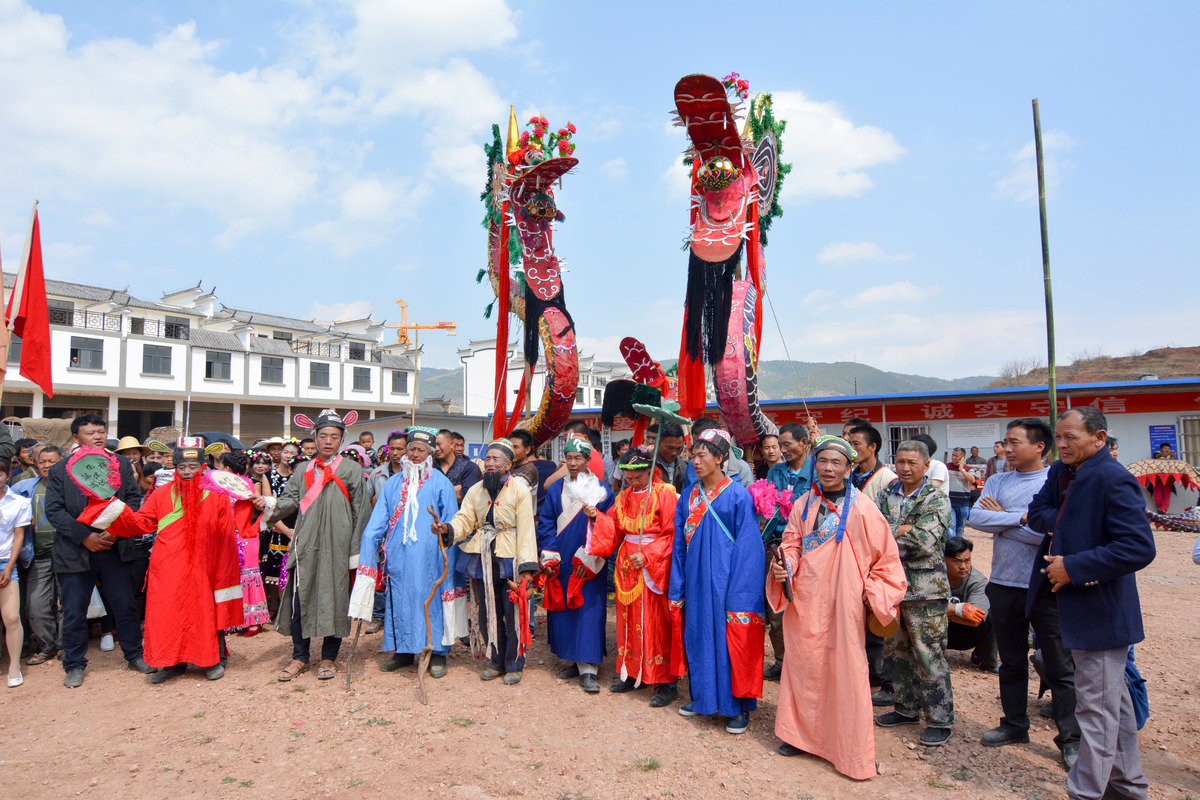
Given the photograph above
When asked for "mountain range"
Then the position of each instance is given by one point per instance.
(775, 380)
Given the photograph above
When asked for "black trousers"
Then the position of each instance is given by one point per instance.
(75, 590)
(1012, 643)
(330, 645)
(880, 675)
(979, 638)
(508, 635)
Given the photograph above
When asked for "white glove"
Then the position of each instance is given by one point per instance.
(266, 513)
(362, 597)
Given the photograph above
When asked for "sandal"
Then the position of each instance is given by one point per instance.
(41, 658)
(291, 671)
(326, 670)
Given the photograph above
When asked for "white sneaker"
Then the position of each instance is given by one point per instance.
(106, 642)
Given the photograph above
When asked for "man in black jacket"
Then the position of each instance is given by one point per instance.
(1094, 511)
(81, 556)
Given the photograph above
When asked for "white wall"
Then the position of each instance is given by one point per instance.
(236, 385)
(349, 395)
(258, 389)
(60, 359)
(175, 382)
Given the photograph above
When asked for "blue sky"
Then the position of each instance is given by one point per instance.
(324, 160)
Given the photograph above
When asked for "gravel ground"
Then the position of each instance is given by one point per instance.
(248, 736)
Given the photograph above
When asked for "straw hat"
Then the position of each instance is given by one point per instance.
(131, 443)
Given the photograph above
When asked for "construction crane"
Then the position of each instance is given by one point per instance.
(402, 338)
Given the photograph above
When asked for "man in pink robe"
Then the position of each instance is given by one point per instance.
(840, 563)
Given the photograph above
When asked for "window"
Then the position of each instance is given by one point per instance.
(597, 397)
(399, 381)
(14, 350)
(1189, 439)
(87, 353)
(137, 325)
(362, 378)
(62, 312)
(601, 381)
(318, 375)
(272, 370)
(156, 359)
(580, 395)
(176, 328)
(899, 434)
(358, 351)
(282, 336)
(217, 366)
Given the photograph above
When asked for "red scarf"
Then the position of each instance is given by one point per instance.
(328, 474)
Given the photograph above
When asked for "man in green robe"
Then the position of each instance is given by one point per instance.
(334, 506)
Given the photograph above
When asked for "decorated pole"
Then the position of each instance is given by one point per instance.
(1041, 177)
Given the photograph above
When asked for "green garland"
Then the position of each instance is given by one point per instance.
(492, 214)
(760, 127)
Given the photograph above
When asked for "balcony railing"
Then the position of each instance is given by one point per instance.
(159, 328)
(320, 349)
(93, 320)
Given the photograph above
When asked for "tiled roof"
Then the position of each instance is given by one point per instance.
(95, 294)
(397, 362)
(271, 347)
(268, 320)
(215, 340)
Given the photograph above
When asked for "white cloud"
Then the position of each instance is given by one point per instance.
(371, 209)
(99, 218)
(679, 180)
(814, 297)
(1020, 184)
(898, 292)
(829, 153)
(333, 312)
(858, 251)
(616, 169)
(607, 348)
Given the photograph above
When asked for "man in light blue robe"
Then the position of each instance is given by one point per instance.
(413, 561)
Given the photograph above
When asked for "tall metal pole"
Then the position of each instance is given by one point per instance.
(416, 371)
(1041, 176)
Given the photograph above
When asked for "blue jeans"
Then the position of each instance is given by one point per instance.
(75, 590)
(958, 517)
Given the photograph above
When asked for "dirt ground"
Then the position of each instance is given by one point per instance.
(248, 736)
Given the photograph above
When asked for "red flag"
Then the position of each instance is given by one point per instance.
(28, 313)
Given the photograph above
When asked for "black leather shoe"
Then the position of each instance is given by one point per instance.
(139, 665)
(883, 697)
(667, 693)
(894, 718)
(569, 672)
(998, 737)
(1070, 754)
(620, 687)
(215, 672)
(935, 737)
(74, 678)
(398, 661)
(589, 683)
(166, 673)
(772, 672)
(786, 749)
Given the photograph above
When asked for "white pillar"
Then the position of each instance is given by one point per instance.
(237, 420)
(39, 404)
(178, 421)
(112, 412)
(287, 421)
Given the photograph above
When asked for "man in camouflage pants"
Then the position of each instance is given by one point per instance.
(919, 514)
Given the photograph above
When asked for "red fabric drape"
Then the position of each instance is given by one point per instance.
(754, 265)
(499, 418)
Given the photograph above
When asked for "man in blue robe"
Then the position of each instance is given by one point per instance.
(412, 561)
(576, 615)
(716, 593)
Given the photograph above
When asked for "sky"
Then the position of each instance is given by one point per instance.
(324, 160)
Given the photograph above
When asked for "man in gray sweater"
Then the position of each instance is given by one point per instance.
(1001, 511)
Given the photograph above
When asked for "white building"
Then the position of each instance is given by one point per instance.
(145, 364)
(479, 378)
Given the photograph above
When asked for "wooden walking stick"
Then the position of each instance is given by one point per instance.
(427, 650)
(353, 647)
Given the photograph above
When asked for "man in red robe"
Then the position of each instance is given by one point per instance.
(193, 586)
(644, 517)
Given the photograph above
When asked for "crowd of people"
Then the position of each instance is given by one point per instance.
(856, 572)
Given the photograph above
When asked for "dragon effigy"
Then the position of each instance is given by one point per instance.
(736, 178)
(649, 395)
(524, 272)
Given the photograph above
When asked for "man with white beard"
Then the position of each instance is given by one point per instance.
(412, 559)
(495, 527)
(573, 554)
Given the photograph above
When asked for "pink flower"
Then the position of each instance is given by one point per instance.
(543, 122)
(563, 132)
(532, 121)
(570, 127)
(539, 132)
(525, 139)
